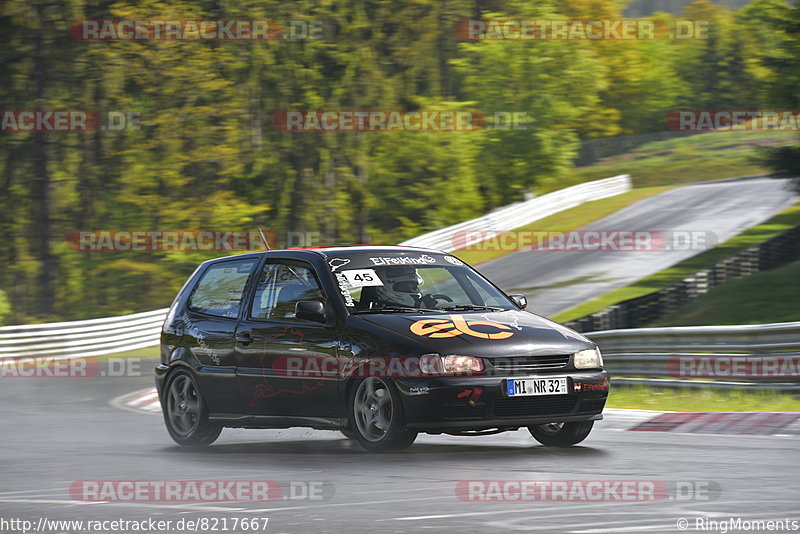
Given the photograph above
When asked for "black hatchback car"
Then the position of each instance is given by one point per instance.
(380, 343)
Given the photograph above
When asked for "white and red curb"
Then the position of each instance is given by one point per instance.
(141, 401)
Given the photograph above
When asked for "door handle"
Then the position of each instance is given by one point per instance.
(245, 338)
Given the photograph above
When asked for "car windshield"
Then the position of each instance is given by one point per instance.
(401, 286)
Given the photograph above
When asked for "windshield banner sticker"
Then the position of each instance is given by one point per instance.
(403, 260)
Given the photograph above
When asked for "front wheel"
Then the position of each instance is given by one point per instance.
(561, 434)
(185, 412)
(376, 416)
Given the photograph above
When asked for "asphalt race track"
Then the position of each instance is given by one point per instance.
(60, 430)
(556, 281)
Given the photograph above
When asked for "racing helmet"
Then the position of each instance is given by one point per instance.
(400, 286)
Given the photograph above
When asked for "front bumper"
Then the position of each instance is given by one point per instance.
(480, 403)
(161, 371)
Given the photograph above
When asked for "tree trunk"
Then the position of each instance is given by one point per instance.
(42, 223)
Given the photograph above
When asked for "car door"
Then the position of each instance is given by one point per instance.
(209, 325)
(286, 366)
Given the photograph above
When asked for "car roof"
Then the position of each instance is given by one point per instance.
(338, 250)
(363, 249)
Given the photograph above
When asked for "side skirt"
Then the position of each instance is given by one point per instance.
(277, 421)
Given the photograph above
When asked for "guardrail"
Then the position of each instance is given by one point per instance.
(522, 213)
(738, 356)
(93, 337)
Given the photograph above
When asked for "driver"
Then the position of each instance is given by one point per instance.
(400, 286)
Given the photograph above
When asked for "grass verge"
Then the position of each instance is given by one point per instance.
(766, 297)
(701, 400)
(145, 353)
(784, 220)
(564, 221)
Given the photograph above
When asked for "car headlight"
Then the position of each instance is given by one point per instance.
(434, 364)
(588, 359)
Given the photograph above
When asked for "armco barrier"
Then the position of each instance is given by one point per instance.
(642, 355)
(93, 337)
(643, 310)
(523, 213)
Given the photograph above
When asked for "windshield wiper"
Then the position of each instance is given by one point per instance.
(469, 307)
(393, 309)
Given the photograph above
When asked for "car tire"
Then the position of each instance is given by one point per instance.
(376, 416)
(185, 411)
(349, 434)
(561, 434)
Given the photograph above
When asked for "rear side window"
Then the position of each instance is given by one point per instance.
(219, 291)
(280, 287)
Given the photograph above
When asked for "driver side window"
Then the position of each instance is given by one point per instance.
(280, 287)
(487, 299)
(439, 281)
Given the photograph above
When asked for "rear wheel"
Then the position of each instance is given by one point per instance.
(185, 412)
(561, 434)
(376, 417)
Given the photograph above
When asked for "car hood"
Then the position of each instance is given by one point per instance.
(487, 334)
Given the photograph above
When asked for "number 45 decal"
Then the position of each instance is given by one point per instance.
(362, 277)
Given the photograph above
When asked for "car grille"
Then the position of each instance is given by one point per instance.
(525, 406)
(530, 363)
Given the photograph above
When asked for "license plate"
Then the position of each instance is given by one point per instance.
(528, 387)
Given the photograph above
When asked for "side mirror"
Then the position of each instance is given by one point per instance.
(519, 300)
(310, 310)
